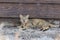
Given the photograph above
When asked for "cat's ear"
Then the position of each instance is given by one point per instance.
(27, 16)
(21, 16)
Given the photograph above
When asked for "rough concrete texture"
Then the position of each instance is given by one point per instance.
(29, 34)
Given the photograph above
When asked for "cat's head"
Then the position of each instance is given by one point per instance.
(24, 18)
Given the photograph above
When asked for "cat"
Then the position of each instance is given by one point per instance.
(40, 23)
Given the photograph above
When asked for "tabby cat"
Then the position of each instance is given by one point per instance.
(40, 23)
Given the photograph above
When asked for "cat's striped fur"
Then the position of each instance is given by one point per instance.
(40, 23)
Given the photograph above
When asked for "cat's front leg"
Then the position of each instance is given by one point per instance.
(45, 27)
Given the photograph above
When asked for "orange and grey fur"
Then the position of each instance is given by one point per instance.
(27, 23)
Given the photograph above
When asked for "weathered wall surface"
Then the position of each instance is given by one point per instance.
(35, 8)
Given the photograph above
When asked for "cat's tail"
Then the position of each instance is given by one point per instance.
(54, 26)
